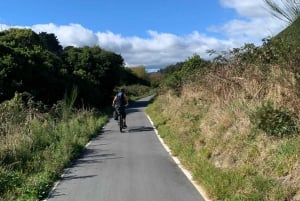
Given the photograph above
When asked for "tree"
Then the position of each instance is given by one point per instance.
(50, 42)
(94, 71)
(288, 10)
(140, 71)
(27, 65)
(23, 38)
(172, 68)
(193, 64)
(37, 64)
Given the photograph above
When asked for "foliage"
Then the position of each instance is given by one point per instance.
(8, 180)
(19, 38)
(48, 70)
(176, 75)
(36, 146)
(183, 136)
(209, 124)
(68, 104)
(291, 34)
(136, 91)
(155, 78)
(90, 69)
(50, 42)
(194, 64)
(272, 51)
(22, 52)
(274, 121)
(172, 68)
(140, 72)
(40, 134)
(173, 82)
(128, 77)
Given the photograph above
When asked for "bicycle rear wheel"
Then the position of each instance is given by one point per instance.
(120, 123)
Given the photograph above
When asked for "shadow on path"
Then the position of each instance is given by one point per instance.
(139, 104)
(140, 129)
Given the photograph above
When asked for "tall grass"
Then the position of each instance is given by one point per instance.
(36, 145)
(210, 128)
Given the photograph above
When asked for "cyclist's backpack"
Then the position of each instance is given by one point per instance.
(120, 101)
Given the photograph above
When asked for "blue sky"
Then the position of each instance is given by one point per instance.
(152, 33)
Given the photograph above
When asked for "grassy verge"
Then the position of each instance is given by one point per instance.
(227, 157)
(35, 146)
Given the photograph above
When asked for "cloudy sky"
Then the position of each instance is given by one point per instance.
(152, 33)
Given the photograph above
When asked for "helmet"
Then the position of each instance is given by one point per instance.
(122, 90)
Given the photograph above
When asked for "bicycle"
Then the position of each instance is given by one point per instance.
(119, 118)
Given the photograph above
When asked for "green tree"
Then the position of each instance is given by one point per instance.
(95, 71)
(172, 68)
(24, 38)
(25, 65)
(193, 64)
(37, 64)
(50, 42)
(140, 71)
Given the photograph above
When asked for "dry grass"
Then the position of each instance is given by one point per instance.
(217, 108)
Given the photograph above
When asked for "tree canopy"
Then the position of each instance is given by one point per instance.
(38, 64)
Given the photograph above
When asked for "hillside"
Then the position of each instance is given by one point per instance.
(291, 33)
(235, 125)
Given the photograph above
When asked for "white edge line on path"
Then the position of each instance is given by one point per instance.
(177, 161)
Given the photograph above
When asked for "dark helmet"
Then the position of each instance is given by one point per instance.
(122, 90)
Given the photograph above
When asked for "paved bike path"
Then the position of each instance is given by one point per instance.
(129, 166)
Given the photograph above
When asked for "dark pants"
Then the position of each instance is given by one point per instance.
(121, 110)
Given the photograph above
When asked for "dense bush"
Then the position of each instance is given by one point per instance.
(174, 76)
(274, 121)
(173, 82)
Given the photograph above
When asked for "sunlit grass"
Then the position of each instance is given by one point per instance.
(36, 147)
(209, 128)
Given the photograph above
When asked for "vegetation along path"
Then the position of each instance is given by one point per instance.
(129, 166)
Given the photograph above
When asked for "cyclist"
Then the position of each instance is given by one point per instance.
(120, 102)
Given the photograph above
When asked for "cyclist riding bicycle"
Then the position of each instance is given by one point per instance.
(120, 101)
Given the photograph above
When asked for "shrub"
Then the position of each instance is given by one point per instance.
(8, 180)
(173, 82)
(137, 90)
(276, 122)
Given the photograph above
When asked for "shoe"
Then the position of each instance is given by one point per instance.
(125, 126)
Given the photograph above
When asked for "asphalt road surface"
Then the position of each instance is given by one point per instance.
(129, 166)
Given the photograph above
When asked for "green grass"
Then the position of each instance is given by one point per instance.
(291, 34)
(33, 154)
(237, 147)
(241, 183)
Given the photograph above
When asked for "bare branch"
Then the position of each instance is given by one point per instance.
(288, 10)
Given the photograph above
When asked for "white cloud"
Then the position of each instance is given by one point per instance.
(72, 34)
(254, 24)
(246, 8)
(162, 49)
(249, 31)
